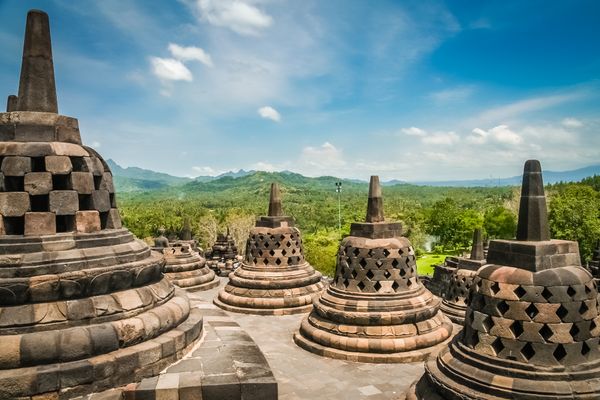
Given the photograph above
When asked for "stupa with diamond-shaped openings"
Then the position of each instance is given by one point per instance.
(84, 305)
(274, 278)
(376, 309)
(532, 324)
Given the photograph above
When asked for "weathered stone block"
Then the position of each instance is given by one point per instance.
(16, 165)
(82, 182)
(14, 204)
(87, 221)
(7, 132)
(101, 200)
(34, 133)
(113, 219)
(37, 183)
(40, 223)
(58, 164)
(64, 202)
(107, 182)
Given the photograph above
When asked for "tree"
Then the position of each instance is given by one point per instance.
(500, 223)
(575, 215)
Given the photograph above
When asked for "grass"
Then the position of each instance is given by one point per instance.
(426, 262)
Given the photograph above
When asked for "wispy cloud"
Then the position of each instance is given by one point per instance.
(238, 15)
(269, 112)
(452, 94)
(190, 53)
(170, 69)
(572, 123)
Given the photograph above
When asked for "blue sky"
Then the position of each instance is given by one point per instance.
(410, 90)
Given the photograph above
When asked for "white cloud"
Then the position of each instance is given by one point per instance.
(190, 53)
(452, 95)
(500, 134)
(95, 144)
(238, 15)
(413, 131)
(269, 112)
(572, 123)
(170, 69)
(441, 138)
(324, 157)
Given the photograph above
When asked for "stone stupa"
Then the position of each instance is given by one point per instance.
(454, 304)
(376, 309)
(594, 264)
(274, 278)
(532, 323)
(223, 255)
(84, 305)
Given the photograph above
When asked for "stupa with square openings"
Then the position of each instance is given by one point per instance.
(532, 324)
(376, 309)
(274, 278)
(223, 256)
(84, 305)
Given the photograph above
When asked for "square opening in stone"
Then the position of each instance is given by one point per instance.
(103, 220)
(40, 203)
(38, 164)
(14, 183)
(61, 182)
(97, 181)
(85, 202)
(113, 200)
(79, 165)
(14, 225)
(65, 223)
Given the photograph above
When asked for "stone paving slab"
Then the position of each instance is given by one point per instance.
(303, 375)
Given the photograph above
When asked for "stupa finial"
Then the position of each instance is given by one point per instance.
(533, 215)
(275, 209)
(375, 204)
(477, 249)
(37, 89)
(11, 103)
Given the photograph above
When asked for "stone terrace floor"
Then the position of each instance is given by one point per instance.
(303, 375)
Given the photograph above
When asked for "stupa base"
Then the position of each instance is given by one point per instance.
(301, 309)
(454, 311)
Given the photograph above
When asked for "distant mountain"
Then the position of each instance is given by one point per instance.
(134, 178)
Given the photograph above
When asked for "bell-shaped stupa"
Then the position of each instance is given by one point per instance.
(376, 309)
(84, 305)
(454, 304)
(274, 278)
(223, 256)
(532, 324)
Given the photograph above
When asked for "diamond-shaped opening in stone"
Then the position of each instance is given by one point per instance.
(502, 307)
(560, 353)
(495, 287)
(288, 244)
(587, 289)
(261, 237)
(283, 252)
(377, 286)
(584, 348)
(278, 261)
(387, 274)
(386, 252)
(395, 263)
(361, 285)
(531, 311)
(571, 292)
(516, 328)
(520, 292)
(260, 253)
(528, 351)
(409, 282)
(592, 325)
(379, 263)
(363, 262)
(402, 272)
(574, 331)
(497, 345)
(562, 312)
(370, 253)
(487, 323)
(290, 260)
(370, 274)
(395, 286)
(346, 282)
(293, 251)
(584, 308)
(272, 252)
(479, 283)
(356, 252)
(546, 294)
(546, 332)
(354, 273)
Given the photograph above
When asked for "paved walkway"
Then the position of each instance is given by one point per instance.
(303, 375)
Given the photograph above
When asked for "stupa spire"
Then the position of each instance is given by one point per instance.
(37, 90)
(275, 209)
(375, 204)
(477, 249)
(533, 215)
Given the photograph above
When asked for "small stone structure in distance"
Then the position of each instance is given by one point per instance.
(223, 256)
(454, 304)
(274, 278)
(532, 324)
(84, 305)
(376, 309)
(594, 264)
(184, 266)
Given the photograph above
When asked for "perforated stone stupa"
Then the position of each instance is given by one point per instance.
(224, 254)
(275, 278)
(184, 266)
(83, 304)
(376, 309)
(532, 324)
(454, 304)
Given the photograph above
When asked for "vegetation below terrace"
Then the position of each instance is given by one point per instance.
(448, 214)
